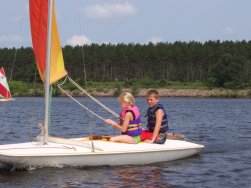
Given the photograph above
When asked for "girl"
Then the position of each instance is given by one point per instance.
(130, 123)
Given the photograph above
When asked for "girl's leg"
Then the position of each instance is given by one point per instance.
(123, 138)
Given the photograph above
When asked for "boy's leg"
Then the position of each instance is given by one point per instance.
(161, 138)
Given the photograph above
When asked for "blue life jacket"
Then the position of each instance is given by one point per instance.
(152, 118)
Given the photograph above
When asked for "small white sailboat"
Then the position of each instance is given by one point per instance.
(5, 94)
(59, 152)
(86, 151)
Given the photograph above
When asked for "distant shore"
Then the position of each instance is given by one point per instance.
(245, 93)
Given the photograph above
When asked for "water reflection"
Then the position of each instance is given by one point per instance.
(137, 176)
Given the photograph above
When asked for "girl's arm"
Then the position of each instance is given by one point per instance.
(123, 128)
(128, 117)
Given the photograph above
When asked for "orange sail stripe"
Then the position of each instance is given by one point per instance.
(38, 22)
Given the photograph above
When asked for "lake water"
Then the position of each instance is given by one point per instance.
(222, 125)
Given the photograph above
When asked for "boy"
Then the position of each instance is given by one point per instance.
(157, 120)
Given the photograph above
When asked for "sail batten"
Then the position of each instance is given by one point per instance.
(38, 23)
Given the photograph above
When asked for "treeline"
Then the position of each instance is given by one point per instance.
(216, 63)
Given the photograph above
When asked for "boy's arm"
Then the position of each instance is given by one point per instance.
(159, 117)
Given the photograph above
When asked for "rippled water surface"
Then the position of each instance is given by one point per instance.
(222, 125)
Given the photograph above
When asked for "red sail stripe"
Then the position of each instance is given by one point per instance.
(4, 92)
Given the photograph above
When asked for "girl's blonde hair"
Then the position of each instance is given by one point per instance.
(127, 98)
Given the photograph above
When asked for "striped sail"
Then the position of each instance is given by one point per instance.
(4, 88)
(38, 23)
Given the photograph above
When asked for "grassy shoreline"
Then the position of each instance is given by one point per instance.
(164, 92)
(107, 89)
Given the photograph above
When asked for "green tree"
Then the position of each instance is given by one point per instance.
(227, 71)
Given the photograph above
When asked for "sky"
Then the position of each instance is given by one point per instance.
(132, 21)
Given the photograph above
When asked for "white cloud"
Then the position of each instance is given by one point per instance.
(155, 40)
(228, 30)
(11, 39)
(79, 40)
(105, 42)
(103, 11)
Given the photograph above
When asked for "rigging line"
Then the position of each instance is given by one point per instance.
(33, 103)
(98, 102)
(80, 103)
(22, 28)
(82, 46)
(13, 63)
(85, 80)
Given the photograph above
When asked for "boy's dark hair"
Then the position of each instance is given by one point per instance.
(153, 92)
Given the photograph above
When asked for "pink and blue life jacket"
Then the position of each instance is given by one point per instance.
(134, 128)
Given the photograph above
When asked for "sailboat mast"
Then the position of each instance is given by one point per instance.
(47, 72)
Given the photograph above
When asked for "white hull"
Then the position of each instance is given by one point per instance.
(79, 153)
(6, 100)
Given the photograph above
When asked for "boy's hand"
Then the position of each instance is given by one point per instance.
(149, 141)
